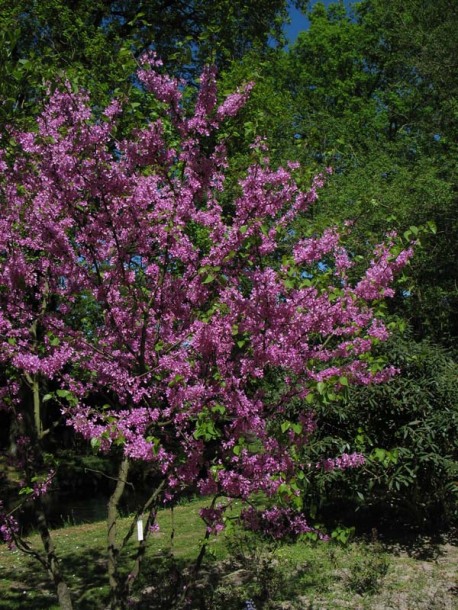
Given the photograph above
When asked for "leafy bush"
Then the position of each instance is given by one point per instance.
(257, 574)
(408, 430)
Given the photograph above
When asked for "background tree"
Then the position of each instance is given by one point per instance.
(94, 44)
(358, 91)
(366, 94)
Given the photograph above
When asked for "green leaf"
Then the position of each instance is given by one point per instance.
(321, 387)
(432, 226)
(25, 491)
(230, 255)
(407, 235)
(221, 409)
(285, 426)
(175, 380)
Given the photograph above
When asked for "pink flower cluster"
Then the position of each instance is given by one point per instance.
(8, 527)
(41, 487)
(277, 522)
(344, 461)
(213, 518)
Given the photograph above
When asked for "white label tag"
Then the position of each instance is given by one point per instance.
(140, 530)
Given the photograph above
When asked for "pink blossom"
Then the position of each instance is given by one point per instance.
(276, 522)
(9, 527)
(234, 102)
(344, 461)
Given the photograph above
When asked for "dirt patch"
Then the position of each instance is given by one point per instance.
(411, 583)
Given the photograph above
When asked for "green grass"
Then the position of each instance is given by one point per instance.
(239, 567)
(81, 549)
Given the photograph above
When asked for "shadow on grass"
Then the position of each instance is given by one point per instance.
(31, 588)
(418, 546)
(28, 586)
(161, 584)
(398, 531)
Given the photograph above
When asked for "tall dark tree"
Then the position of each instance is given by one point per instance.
(95, 43)
(369, 93)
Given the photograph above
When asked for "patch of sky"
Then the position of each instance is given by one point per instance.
(136, 262)
(299, 21)
(322, 266)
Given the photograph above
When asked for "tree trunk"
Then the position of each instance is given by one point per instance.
(50, 560)
(117, 590)
(52, 564)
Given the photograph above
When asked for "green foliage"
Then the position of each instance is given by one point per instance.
(95, 44)
(342, 535)
(368, 105)
(408, 430)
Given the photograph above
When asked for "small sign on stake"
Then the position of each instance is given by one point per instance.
(140, 530)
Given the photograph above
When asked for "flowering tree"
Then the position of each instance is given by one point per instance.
(156, 317)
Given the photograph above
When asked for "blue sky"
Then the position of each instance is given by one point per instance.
(299, 22)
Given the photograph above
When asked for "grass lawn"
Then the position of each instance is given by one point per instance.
(323, 576)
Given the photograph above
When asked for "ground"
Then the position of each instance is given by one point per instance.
(370, 573)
